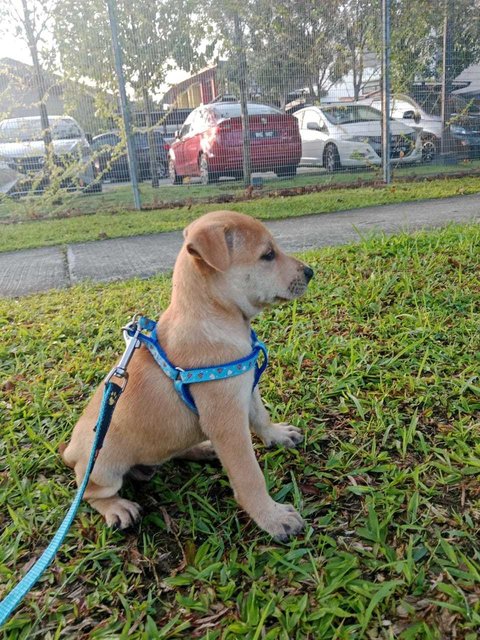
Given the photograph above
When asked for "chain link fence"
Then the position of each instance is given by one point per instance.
(114, 105)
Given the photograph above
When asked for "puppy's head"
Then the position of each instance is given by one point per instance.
(241, 263)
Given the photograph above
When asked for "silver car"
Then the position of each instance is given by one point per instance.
(22, 148)
(349, 135)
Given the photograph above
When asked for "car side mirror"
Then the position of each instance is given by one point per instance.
(412, 115)
(313, 126)
(89, 138)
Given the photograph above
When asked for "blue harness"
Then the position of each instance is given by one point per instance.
(183, 378)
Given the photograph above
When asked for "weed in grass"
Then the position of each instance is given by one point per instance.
(379, 364)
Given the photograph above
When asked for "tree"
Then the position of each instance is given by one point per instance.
(148, 33)
(359, 35)
(417, 40)
(293, 45)
(31, 24)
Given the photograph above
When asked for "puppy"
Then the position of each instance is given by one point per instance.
(227, 271)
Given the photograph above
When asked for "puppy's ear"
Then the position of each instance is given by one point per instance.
(211, 244)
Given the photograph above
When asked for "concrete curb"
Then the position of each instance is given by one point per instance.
(36, 270)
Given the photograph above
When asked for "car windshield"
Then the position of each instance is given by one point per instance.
(232, 110)
(30, 130)
(348, 113)
(432, 104)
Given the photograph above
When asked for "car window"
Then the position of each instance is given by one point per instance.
(198, 123)
(348, 113)
(187, 125)
(21, 130)
(225, 110)
(108, 140)
(65, 130)
(311, 115)
(299, 117)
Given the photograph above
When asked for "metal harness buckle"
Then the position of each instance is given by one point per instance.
(132, 343)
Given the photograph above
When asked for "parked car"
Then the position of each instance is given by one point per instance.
(463, 129)
(167, 122)
(210, 142)
(8, 178)
(349, 135)
(172, 121)
(23, 149)
(112, 158)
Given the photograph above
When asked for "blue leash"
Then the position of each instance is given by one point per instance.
(182, 379)
(7, 605)
(110, 398)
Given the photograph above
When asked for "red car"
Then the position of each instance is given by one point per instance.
(209, 144)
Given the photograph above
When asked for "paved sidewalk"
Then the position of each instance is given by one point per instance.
(24, 272)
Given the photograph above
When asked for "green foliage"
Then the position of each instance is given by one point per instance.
(379, 365)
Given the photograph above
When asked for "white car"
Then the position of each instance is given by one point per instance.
(8, 177)
(349, 135)
(464, 125)
(22, 148)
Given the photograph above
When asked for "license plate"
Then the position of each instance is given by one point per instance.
(260, 135)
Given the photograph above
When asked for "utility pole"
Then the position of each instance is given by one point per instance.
(447, 73)
(124, 105)
(387, 177)
(242, 84)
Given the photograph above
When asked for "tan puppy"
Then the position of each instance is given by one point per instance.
(227, 271)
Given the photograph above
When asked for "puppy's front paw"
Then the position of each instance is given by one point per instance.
(281, 521)
(282, 433)
(121, 513)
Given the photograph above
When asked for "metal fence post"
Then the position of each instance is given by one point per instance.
(124, 105)
(387, 177)
(447, 66)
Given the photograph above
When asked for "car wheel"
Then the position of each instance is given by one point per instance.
(206, 176)
(162, 170)
(331, 159)
(429, 150)
(174, 178)
(286, 172)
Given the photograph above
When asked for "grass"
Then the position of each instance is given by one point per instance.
(120, 199)
(378, 364)
(111, 225)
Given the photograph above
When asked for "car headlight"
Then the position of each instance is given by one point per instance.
(461, 131)
(366, 139)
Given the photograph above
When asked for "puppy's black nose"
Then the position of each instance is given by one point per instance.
(308, 273)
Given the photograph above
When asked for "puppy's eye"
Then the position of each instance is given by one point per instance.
(269, 256)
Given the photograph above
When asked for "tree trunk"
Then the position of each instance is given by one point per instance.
(39, 80)
(242, 83)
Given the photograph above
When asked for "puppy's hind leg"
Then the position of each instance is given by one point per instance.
(102, 494)
(200, 452)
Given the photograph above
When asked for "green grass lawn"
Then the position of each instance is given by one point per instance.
(104, 224)
(378, 364)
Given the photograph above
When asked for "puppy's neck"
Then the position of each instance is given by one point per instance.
(201, 300)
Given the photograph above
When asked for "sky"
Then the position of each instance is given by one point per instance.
(11, 47)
